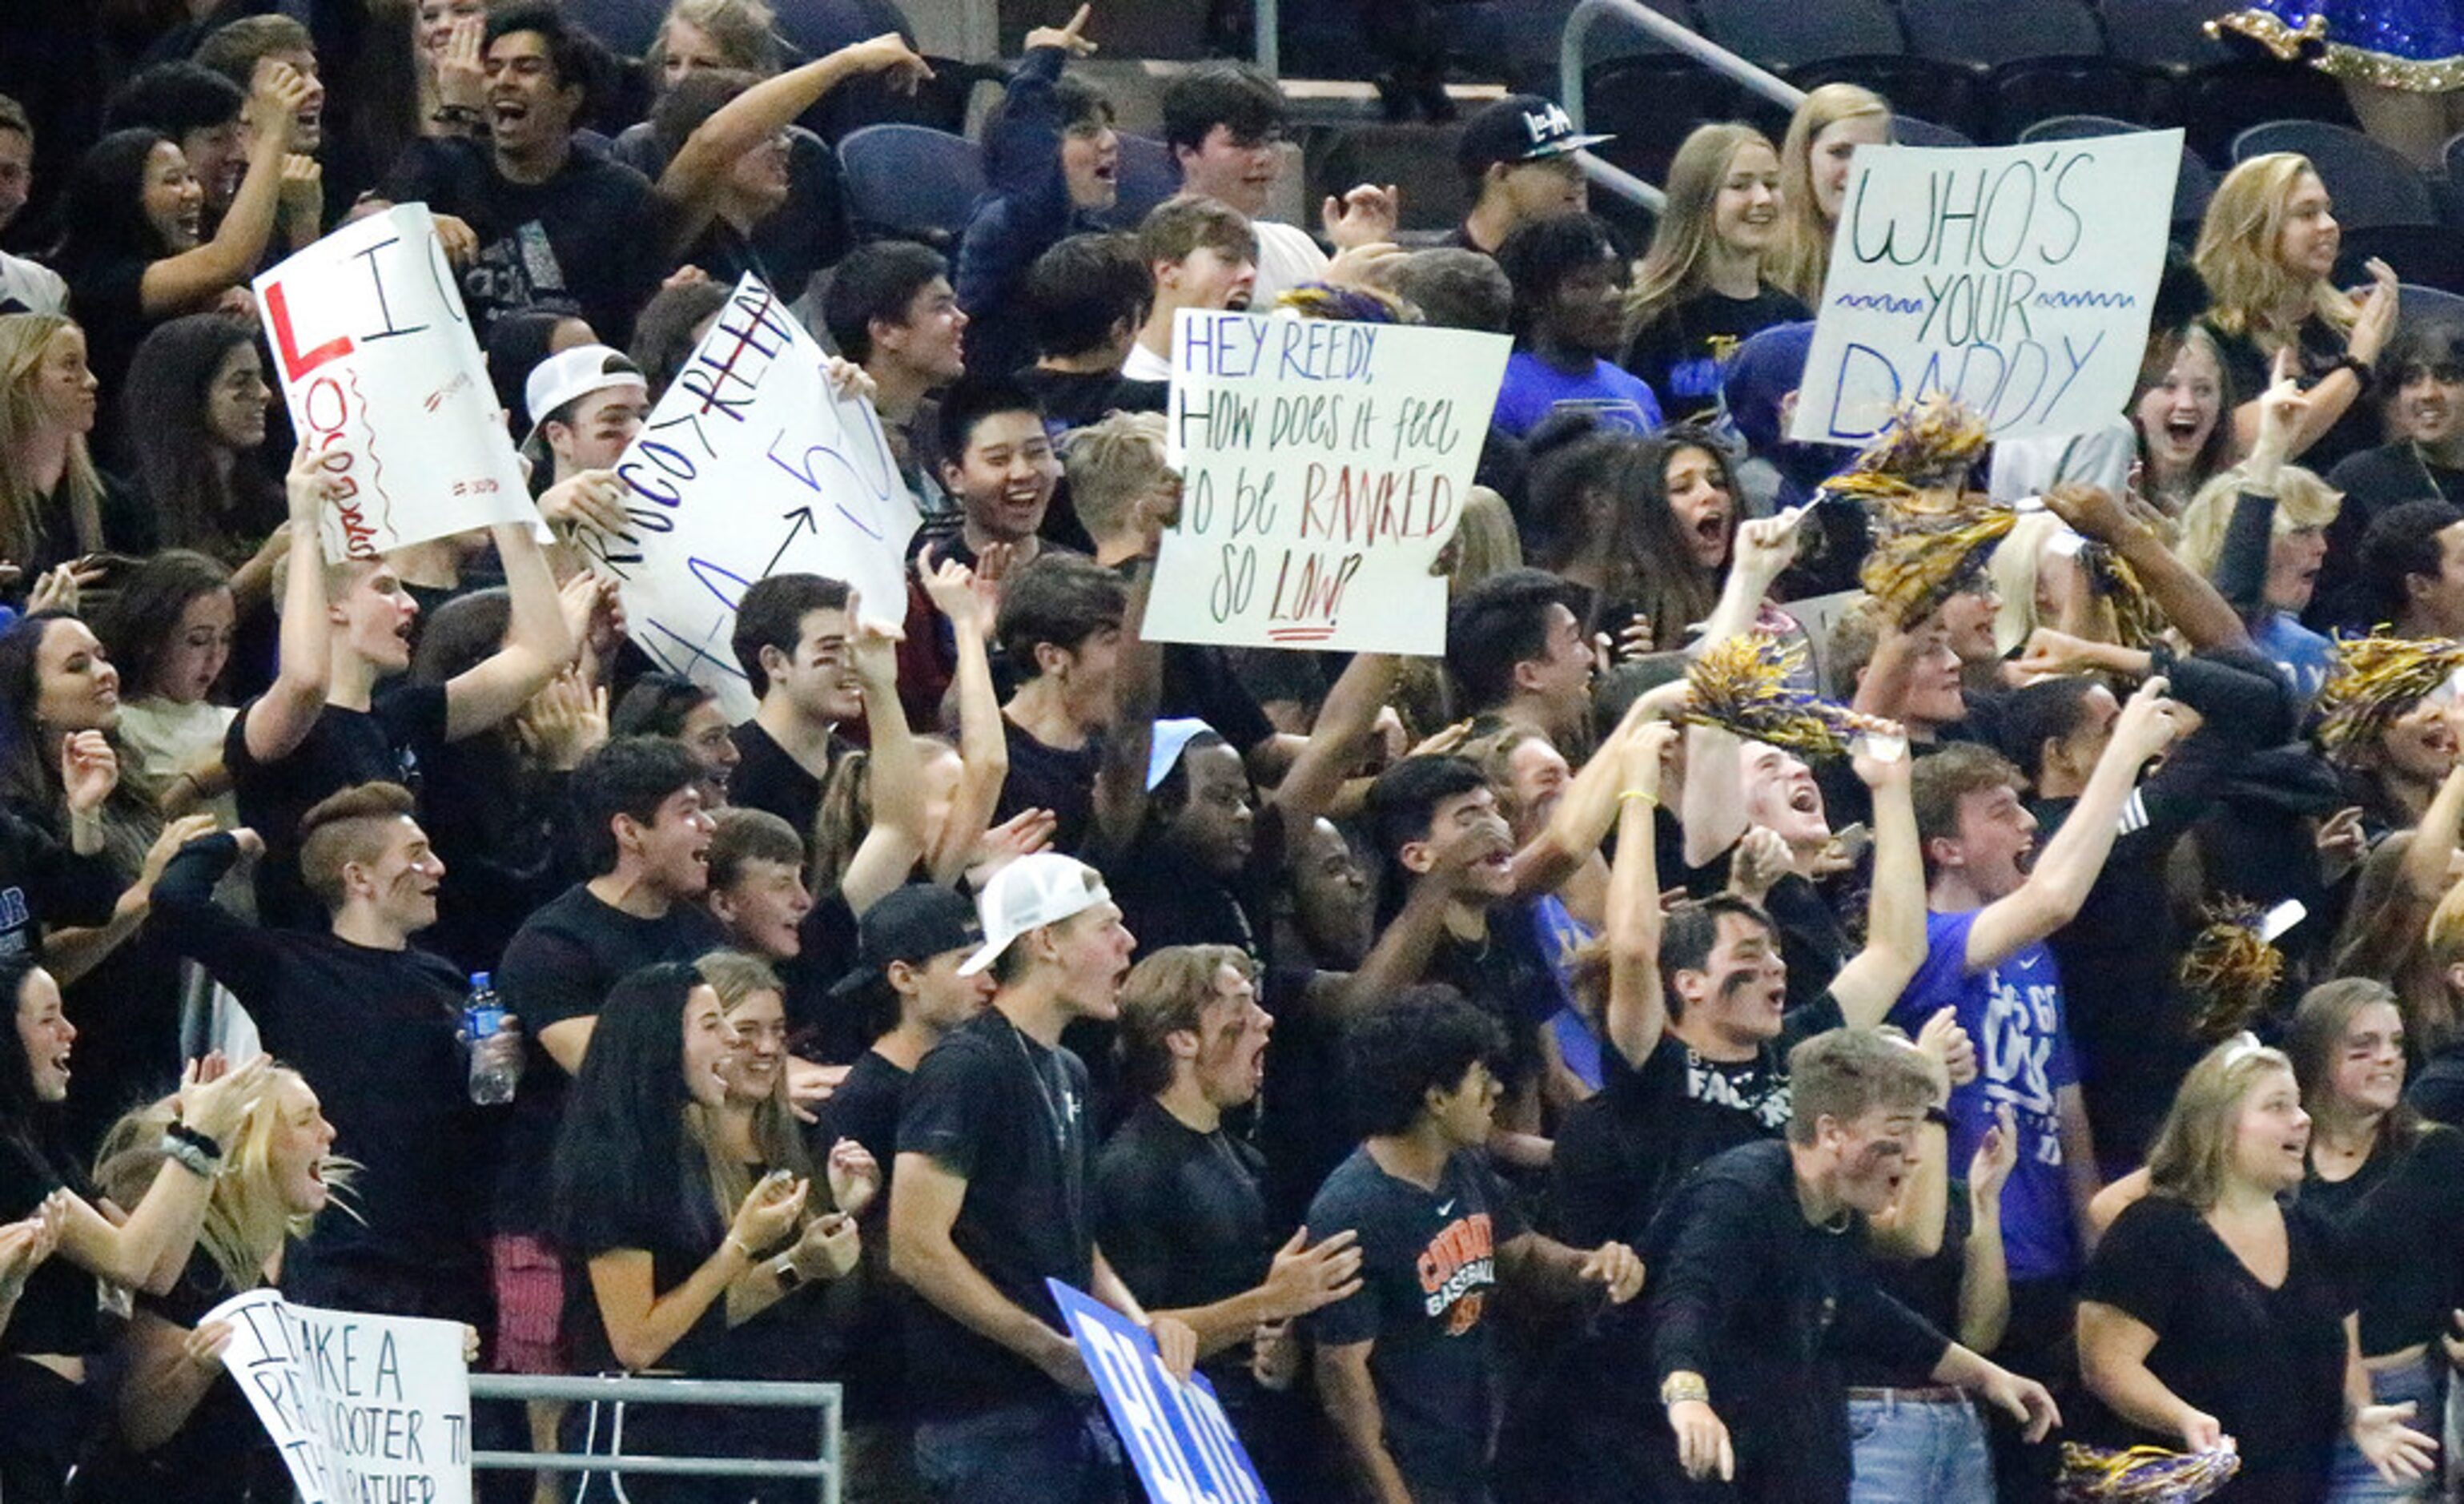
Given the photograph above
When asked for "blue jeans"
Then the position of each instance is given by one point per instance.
(1918, 1451)
(1055, 1450)
(2354, 1481)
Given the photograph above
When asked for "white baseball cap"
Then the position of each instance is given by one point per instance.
(1028, 894)
(573, 373)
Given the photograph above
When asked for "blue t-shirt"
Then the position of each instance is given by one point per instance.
(2301, 655)
(2014, 1012)
(1533, 388)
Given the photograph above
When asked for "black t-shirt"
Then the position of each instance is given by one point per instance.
(2269, 1364)
(374, 1033)
(832, 1031)
(109, 301)
(45, 882)
(1928, 1287)
(1049, 778)
(587, 239)
(2321, 347)
(866, 1108)
(767, 777)
(679, 1242)
(57, 1313)
(2374, 482)
(1428, 1261)
(560, 965)
(1505, 974)
(2438, 1090)
(1075, 399)
(2399, 1221)
(498, 824)
(222, 1454)
(392, 741)
(1621, 1154)
(1180, 1217)
(1010, 1118)
(1684, 353)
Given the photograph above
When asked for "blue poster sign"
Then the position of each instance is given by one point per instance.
(1184, 1448)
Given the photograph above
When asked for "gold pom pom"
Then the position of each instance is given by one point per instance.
(2229, 971)
(1740, 685)
(1930, 441)
(2376, 680)
(1918, 564)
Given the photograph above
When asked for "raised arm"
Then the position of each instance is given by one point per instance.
(1766, 546)
(539, 641)
(1895, 912)
(1137, 683)
(691, 185)
(2068, 866)
(983, 747)
(896, 838)
(1028, 208)
(1344, 720)
(177, 284)
(278, 721)
(2188, 601)
(160, 1230)
(1638, 1009)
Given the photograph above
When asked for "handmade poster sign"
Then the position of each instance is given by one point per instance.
(383, 375)
(1175, 1434)
(2016, 278)
(1323, 466)
(362, 1406)
(750, 466)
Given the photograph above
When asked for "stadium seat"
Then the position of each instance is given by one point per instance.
(2428, 256)
(2216, 104)
(1925, 87)
(1649, 103)
(1909, 131)
(2019, 93)
(2164, 33)
(1530, 51)
(2454, 155)
(910, 180)
(1788, 35)
(2003, 31)
(1419, 160)
(2372, 184)
(2417, 305)
(2076, 127)
(2193, 188)
(1148, 177)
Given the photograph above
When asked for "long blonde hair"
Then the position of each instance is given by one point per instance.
(736, 978)
(1673, 269)
(1803, 258)
(24, 339)
(2193, 1152)
(2236, 254)
(245, 1219)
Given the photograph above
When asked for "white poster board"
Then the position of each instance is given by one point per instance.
(1323, 466)
(363, 1406)
(382, 373)
(2018, 278)
(750, 466)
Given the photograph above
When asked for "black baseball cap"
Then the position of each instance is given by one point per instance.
(1520, 128)
(914, 924)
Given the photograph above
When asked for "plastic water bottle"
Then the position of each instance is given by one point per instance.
(491, 1078)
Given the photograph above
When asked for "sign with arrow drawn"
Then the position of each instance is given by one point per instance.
(750, 466)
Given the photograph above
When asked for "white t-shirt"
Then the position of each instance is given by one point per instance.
(1145, 365)
(31, 287)
(1287, 257)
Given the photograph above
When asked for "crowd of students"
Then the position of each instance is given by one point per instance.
(1842, 984)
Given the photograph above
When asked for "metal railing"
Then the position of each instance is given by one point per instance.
(1677, 38)
(825, 1470)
